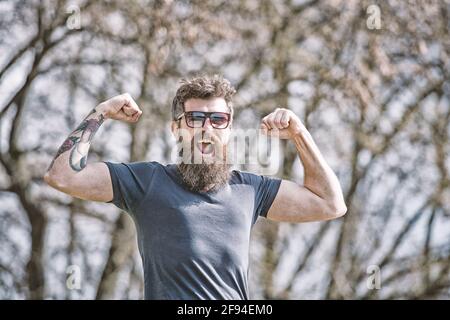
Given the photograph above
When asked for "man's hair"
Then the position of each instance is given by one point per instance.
(202, 87)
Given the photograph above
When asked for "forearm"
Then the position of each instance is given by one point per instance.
(319, 177)
(71, 157)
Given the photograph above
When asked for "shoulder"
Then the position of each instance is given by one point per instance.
(136, 164)
(242, 177)
(136, 167)
(245, 177)
(255, 180)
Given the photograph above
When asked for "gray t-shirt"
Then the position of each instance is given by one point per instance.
(194, 245)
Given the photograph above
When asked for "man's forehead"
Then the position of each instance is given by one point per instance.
(211, 105)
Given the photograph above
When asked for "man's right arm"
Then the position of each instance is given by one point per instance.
(69, 171)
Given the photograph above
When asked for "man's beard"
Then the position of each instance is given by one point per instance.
(208, 175)
(204, 176)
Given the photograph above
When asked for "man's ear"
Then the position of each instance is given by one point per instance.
(174, 128)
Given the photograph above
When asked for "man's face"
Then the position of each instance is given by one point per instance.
(207, 143)
(204, 147)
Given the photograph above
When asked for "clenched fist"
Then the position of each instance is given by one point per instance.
(121, 107)
(282, 123)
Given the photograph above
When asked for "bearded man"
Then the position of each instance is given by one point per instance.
(194, 217)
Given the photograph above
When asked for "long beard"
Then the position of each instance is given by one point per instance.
(204, 177)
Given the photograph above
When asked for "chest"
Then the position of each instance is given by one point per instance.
(184, 224)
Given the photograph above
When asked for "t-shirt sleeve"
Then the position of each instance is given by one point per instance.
(266, 189)
(130, 182)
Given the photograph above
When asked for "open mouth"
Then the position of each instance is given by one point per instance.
(206, 146)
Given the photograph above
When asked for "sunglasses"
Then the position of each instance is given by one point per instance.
(196, 119)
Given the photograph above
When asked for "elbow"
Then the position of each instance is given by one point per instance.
(50, 180)
(47, 178)
(341, 211)
(337, 210)
(53, 181)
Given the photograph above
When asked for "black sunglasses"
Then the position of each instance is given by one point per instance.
(196, 119)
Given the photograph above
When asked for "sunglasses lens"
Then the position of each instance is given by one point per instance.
(195, 119)
(219, 120)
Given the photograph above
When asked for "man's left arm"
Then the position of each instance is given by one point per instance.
(320, 197)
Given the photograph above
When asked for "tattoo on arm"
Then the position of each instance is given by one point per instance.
(79, 141)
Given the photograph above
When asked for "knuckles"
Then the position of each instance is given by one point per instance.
(280, 118)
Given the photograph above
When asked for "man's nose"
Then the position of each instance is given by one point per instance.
(207, 124)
